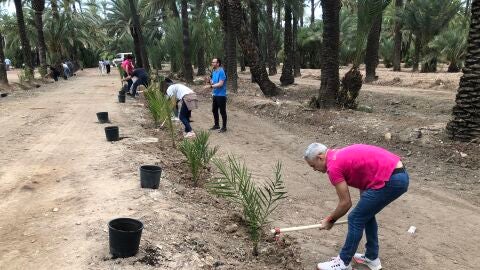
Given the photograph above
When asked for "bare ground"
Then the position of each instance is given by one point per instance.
(62, 182)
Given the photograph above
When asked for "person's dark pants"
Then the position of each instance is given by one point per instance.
(143, 81)
(185, 116)
(108, 69)
(362, 216)
(219, 103)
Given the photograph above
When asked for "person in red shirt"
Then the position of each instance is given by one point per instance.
(128, 67)
(381, 178)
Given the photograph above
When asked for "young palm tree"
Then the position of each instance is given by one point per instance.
(327, 94)
(257, 67)
(27, 53)
(287, 73)
(465, 125)
(3, 70)
(39, 6)
(187, 64)
(397, 49)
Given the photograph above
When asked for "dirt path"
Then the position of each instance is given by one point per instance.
(62, 182)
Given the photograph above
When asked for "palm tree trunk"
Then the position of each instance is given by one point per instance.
(54, 5)
(371, 53)
(250, 49)
(3, 69)
(254, 28)
(137, 31)
(296, 52)
(416, 54)
(173, 9)
(39, 6)
(242, 63)
(187, 64)
(465, 125)
(136, 47)
(312, 10)
(287, 73)
(231, 44)
(272, 65)
(330, 78)
(201, 70)
(27, 52)
(397, 47)
(467, 7)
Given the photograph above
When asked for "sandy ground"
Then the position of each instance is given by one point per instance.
(62, 182)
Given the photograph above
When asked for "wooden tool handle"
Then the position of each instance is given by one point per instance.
(299, 228)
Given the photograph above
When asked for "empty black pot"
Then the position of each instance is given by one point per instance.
(150, 176)
(121, 98)
(102, 117)
(112, 133)
(124, 237)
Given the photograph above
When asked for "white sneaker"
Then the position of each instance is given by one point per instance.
(334, 264)
(190, 134)
(174, 118)
(372, 264)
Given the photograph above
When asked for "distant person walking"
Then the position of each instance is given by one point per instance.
(219, 95)
(107, 66)
(189, 102)
(8, 63)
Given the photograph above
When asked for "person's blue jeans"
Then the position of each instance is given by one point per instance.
(185, 117)
(138, 82)
(362, 216)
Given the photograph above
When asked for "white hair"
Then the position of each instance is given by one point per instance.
(314, 150)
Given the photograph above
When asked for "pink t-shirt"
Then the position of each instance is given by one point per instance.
(361, 166)
(127, 65)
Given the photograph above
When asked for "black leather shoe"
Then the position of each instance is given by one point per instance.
(222, 130)
(214, 128)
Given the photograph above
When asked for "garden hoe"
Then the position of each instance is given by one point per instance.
(277, 231)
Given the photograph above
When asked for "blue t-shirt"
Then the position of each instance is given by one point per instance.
(219, 75)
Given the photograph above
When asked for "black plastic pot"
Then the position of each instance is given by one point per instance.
(124, 237)
(102, 117)
(121, 98)
(150, 176)
(112, 133)
(121, 92)
(3, 94)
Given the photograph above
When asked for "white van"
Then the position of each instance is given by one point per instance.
(119, 58)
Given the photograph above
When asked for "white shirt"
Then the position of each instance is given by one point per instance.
(178, 90)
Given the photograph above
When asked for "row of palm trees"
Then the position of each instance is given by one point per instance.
(257, 33)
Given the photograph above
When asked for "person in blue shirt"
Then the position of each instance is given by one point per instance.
(219, 95)
(142, 78)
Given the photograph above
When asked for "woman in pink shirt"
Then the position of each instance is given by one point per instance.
(380, 177)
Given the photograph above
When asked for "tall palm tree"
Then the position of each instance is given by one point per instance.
(465, 125)
(27, 53)
(371, 52)
(426, 19)
(327, 94)
(54, 5)
(287, 70)
(368, 12)
(245, 39)
(254, 26)
(230, 40)
(187, 64)
(397, 49)
(297, 12)
(136, 31)
(39, 6)
(3, 70)
(312, 12)
(201, 69)
(271, 53)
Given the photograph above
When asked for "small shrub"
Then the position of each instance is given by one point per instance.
(235, 183)
(198, 154)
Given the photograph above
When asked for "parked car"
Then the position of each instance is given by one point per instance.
(119, 58)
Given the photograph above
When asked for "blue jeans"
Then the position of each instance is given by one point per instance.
(185, 116)
(139, 81)
(362, 216)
